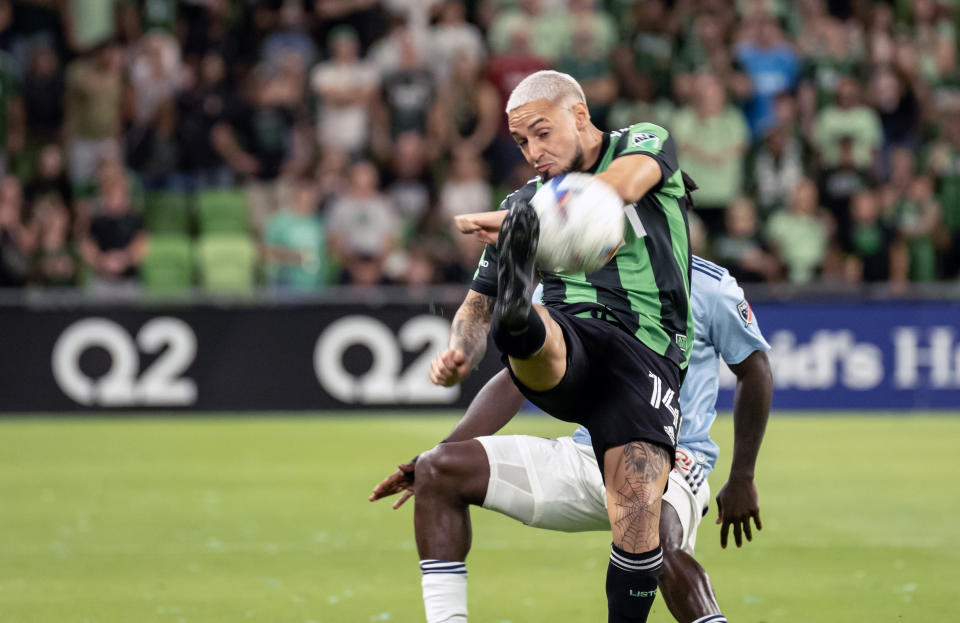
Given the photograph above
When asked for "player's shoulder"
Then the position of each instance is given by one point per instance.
(710, 283)
(704, 270)
(526, 192)
(642, 136)
(643, 126)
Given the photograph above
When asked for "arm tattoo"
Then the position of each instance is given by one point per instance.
(634, 517)
(470, 326)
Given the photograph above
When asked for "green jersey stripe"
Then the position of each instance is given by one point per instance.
(635, 272)
(577, 288)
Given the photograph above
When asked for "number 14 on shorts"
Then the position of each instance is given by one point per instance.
(659, 398)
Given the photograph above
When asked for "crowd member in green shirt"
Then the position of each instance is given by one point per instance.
(910, 209)
(648, 48)
(943, 162)
(822, 72)
(9, 105)
(873, 252)
(917, 217)
(93, 110)
(92, 22)
(799, 234)
(295, 243)
(739, 249)
(588, 62)
(546, 42)
(848, 118)
(712, 139)
(637, 102)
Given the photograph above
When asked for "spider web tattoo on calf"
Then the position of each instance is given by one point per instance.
(634, 518)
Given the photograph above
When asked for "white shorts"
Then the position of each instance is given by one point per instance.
(555, 484)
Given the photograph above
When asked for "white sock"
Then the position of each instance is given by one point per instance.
(712, 618)
(444, 591)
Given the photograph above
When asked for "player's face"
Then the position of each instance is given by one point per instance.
(549, 136)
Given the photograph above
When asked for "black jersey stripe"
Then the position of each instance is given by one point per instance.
(670, 280)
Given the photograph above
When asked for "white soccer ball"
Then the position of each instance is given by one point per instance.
(581, 223)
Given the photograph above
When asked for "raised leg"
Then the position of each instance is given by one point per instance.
(522, 330)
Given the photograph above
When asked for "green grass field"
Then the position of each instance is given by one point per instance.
(266, 519)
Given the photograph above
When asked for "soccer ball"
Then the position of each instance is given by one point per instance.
(581, 223)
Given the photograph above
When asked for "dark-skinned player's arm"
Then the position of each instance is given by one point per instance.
(737, 500)
(489, 411)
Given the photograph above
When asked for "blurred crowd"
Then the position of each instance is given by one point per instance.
(302, 143)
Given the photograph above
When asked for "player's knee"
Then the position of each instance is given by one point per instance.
(440, 468)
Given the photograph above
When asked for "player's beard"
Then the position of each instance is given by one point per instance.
(575, 165)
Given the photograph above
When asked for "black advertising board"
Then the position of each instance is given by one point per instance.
(210, 357)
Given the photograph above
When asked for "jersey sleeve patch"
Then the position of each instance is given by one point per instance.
(645, 140)
(746, 313)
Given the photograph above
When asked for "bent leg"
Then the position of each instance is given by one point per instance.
(636, 475)
(544, 369)
(448, 479)
(684, 584)
(524, 332)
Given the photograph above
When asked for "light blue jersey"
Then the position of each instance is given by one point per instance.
(724, 326)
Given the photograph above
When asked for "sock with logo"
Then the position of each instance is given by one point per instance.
(712, 618)
(444, 590)
(522, 341)
(632, 584)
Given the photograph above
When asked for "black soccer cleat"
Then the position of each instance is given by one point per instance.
(518, 238)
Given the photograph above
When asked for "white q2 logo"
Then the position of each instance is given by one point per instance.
(384, 382)
(159, 385)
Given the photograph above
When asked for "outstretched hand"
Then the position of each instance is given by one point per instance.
(401, 480)
(736, 503)
(485, 225)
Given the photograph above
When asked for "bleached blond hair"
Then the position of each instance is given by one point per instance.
(553, 86)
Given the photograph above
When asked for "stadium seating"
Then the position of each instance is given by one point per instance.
(222, 211)
(167, 213)
(227, 262)
(168, 266)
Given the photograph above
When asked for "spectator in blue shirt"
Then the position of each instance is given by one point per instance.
(772, 66)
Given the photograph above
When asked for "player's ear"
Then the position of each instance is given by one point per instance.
(581, 115)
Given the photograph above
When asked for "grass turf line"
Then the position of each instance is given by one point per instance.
(266, 519)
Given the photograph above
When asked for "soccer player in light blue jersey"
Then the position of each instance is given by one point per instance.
(556, 484)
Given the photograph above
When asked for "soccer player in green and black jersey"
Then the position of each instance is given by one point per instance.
(607, 349)
(644, 288)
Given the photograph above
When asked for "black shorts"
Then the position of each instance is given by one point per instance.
(618, 388)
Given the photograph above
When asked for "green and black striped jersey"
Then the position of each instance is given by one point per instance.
(646, 286)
